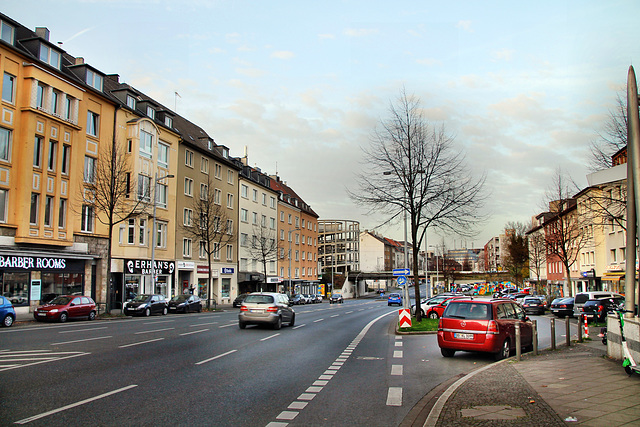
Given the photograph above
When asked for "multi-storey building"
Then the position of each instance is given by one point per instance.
(339, 246)
(377, 254)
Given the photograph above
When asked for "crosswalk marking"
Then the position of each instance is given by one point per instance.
(20, 359)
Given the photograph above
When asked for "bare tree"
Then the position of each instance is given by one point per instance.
(613, 136)
(537, 253)
(263, 246)
(566, 232)
(516, 255)
(413, 168)
(211, 228)
(110, 191)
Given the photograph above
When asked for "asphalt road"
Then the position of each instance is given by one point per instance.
(340, 364)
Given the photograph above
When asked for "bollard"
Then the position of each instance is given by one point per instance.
(586, 327)
(553, 334)
(518, 342)
(567, 328)
(579, 330)
(535, 337)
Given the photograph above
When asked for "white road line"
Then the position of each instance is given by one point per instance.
(158, 321)
(396, 369)
(155, 330)
(81, 330)
(299, 326)
(203, 324)
(398, 343)
(216, 357)
(397, 354)
(141, 342)
(336, 315)
(44, 361)
(306, 396)
(318, 320)
(269, 337)
(226, 326)
(297, 405)
(394, 396)
(83, 340)
(287, 415)
(73, 405)
(348, 312)
(194, 332)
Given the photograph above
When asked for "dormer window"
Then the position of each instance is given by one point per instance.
(151, 113)
(50, 56)
(225, 153)
(131, 102)
(6, 32)
(168, 121)
(94, 79)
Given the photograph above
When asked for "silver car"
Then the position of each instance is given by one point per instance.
(266, 308)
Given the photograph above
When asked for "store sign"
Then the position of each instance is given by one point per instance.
(186, 265)
(274, 279)
(33, 263)
(143, 266)
(227, 270)
(203, 269)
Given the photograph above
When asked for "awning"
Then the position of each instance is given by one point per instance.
(613, 276)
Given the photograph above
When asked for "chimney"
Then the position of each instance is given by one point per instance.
(79, 60)
(43, 33)
(114, 77)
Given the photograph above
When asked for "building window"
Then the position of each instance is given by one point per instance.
(216, 250)
(244, 240)
(264, 199)
(230, 177)
(89, 169)
(163, 155)
(62, 214)
(8, 87)
(272, 202)
(68, 108)
(66, 157)
(218, 172)
(229, 252)
(35, 206)
(244, 215)
(188, 187)
(188, 158)
(272, 223)
(204, 191)
(217, 195)
(230, 200)
(131, 102)
(94, 80)
(243, 191)
(187, 217)
(50, 56)
(162, 197)
(254, 218)
(144, 188)
(131, 231)
(55, 102)
(53, 148)
(186, 247)
(146, 144)
(168, 121)
(202, 252)
(87, 219)
(37, 151)
(151, 113)
(48, 211)
(230, 227)
(255, 195)
(6, 32)
(142, 239)
(40, 94)
(92, 123)
(4, 194)
(204, 165)
(161, 234)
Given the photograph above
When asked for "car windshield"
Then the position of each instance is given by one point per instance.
(468, 310)
(531, 300)
(141, 298)
(61, 301)
(180, 298)
(335, 296)
(259, 299)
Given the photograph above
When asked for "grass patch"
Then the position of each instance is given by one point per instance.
(427, 325)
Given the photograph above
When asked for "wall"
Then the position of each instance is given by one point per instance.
(631, 333)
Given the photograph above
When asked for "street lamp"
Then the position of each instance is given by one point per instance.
(152, 279)
(290, 238)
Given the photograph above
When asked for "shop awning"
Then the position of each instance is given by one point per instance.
(613, 276)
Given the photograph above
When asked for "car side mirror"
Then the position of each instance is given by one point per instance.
(71, 305)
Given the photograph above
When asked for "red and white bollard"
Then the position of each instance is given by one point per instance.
(586, 327)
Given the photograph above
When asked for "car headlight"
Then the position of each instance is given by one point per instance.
(181, 304)
(55, 310)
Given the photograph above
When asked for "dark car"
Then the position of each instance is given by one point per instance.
(66, 307)
(297, 299)
(597, 309)
(7, 312)
(268, 308)
(485, 325)
(561, 307)
(238, 301)
(185, 303)
(336, 298)
(533, 305)
(146, 305)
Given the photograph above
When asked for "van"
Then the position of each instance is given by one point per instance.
(583, 297)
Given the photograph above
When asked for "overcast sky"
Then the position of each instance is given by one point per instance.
(523, 86)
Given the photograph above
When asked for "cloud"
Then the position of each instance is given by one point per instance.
(465, 25)
(282, 54)
(429, 61)
(502, 55)
(360, 32)
(251, 72)
(326, 36)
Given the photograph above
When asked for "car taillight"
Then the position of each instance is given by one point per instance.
(600, 308)
(492, 327)
(272, 309)
(440, 323)
(563, 306)
(243, 308)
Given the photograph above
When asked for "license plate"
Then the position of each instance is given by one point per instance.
(42, 314)
(463, 336)
(257, 311)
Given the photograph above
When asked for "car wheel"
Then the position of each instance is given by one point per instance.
(447, 352)
(433, 315)
(63, 317)
(7, 321)
(164, 311)
(147, 312)
(92, 315)
(278, 323)
(242, 325)
(504, 351)
(389, 305)
(200, 309)
(293, 320)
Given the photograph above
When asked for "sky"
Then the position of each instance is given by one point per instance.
(301, 86)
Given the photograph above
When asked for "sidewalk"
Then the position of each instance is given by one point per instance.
(574, 385)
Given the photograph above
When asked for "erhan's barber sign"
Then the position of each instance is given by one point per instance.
(143, 266)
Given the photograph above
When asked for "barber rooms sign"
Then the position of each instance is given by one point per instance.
(32, 263)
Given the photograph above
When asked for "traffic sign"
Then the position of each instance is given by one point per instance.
(401, 271)
(402, 280)
(404, 318)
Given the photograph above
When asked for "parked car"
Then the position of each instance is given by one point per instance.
(583, 297)
(66, 307)
(47, 298)
(533, 305)
(435, 300)
(7, 312)
(185, 303)
(336, 298)
(311, 299)
(435, 311)
(298, 299)
(146, 305)
(268, 308)
(597, 309)
(238, 301)
(319, 298)
(394, 298)
(561, 307)
(484, 325)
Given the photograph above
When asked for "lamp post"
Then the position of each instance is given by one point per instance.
(290, 238)
(152, 279)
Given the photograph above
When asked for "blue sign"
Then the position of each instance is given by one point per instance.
(227, 270)
(401, 271)
(402, 280)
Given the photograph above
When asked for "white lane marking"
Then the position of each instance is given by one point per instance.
(141, 342)
(274, 424)
(297, 405)
(81, 330)
(320, 383)
(398, 343)
(335, 315)
(299, 326)
(83, 340)
(216, 357)
(306, 396)
(203, 324)
(287, 415)
(42, 361)
(318, 320)
(155, 330)
(394, 396)
(313, 389)
(226, 326)
(269, 337)
(348, 312)
(194, 332)
(397, 354)
(325, 377)
(158, 321)
(73, 405)
(396, 369)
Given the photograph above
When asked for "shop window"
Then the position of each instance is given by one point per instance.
(226, 288)
(62, 283)
(15, 287)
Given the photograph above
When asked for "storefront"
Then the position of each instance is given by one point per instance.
(223, 280)
(613, 280)
(136, 276)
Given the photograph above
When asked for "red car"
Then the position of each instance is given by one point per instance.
(66, 307)
(435, 311)
(484, 325)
